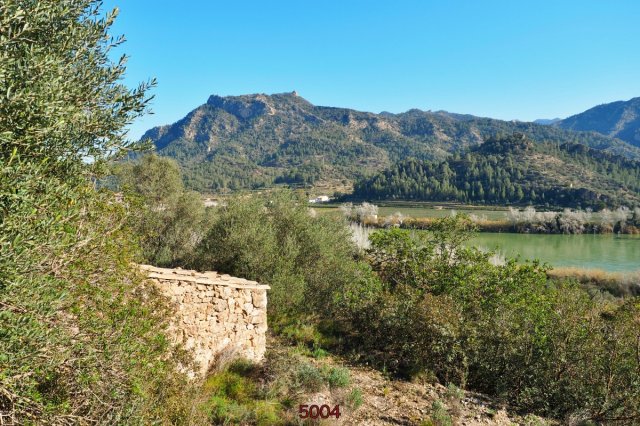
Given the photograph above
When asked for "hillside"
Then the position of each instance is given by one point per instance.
(512, 170)
(617, 119)
(259, 140)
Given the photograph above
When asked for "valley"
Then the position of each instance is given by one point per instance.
(280, 260)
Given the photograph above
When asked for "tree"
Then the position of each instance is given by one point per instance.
(275, 240)
(169, 221)
(61, 99)
(81, 339)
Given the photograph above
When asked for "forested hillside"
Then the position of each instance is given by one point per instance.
(616, 119)
(512, 170)
(254, 141)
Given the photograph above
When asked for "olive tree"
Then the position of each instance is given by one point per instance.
(82, 340)
(169, 220)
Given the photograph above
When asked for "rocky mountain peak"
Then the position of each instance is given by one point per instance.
(243, 107)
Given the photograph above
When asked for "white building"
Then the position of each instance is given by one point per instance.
(320, 199)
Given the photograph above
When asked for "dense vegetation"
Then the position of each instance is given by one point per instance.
(443, 310)
(81, 339)
(275, 240)
(253, 141)
(169, 221)
(512, 170)
(424, 305)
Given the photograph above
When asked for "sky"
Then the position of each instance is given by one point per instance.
(502, 59)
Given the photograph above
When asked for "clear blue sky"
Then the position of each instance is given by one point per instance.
(507, 59)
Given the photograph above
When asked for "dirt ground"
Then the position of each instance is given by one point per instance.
(396, 402)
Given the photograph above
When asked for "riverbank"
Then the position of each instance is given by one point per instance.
(621, 220)
(552, 226)
(618, 284)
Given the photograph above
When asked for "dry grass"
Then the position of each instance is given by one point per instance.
(618, 284)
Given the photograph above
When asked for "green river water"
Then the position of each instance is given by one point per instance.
(613, 253)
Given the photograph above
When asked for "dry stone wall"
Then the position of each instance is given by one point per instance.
(217, 316)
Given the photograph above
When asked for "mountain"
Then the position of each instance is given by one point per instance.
(547, 121)
(259, 140)
(617, 119)
(512, 170)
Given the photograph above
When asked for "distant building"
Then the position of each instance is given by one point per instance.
(320, 199)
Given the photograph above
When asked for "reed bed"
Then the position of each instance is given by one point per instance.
(619, 284)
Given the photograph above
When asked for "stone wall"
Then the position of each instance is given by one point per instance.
(216, 315)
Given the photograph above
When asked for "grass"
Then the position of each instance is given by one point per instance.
(269, 393)
(233, 396)
(619, 284)
(354, 399)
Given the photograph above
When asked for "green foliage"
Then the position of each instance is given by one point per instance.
(454, 392)
(354, 399)
(502, 330)
(337, 377)
(233, 396)
(169, 220)
(297, 331)
(310, 378)
(440, 416)
(61, 100)
(268, 394)
(275, 240)
(82, 340)
(512, 170)
(319, 353)
(157, 180)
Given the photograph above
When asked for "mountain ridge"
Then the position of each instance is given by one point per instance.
(619, 119)
(252, 141)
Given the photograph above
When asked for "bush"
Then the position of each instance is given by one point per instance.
(440, 416)
(337, 377)
(504, 330)
(354, 399)
(310, 378)
(275, 240)
(169, 221)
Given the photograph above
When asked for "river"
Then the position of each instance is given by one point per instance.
(613, 253)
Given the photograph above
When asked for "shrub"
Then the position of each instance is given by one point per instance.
(169, 221)
(337, 377)
(504, 330)
(440, 415)
(310, 377)
(273, 239)
(354, 399)
(454, 392)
